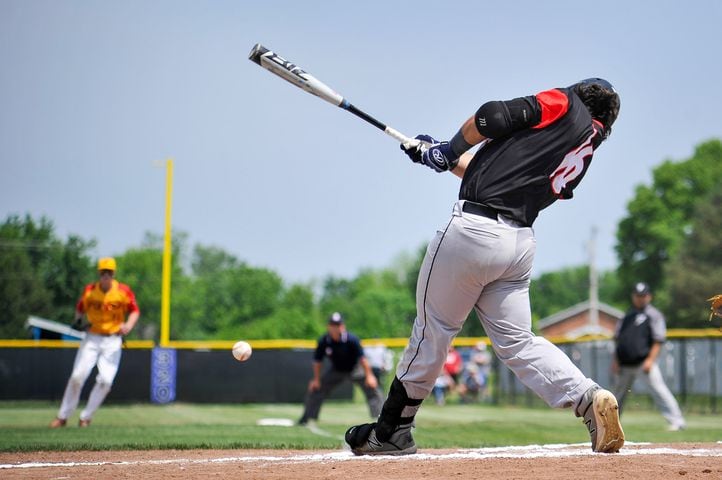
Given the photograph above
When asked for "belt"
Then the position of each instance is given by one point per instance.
(105, 334)
(489, 212)
(479, 209)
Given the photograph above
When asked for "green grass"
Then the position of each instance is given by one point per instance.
(23, 427)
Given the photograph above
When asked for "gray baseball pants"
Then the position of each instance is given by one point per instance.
(483, 264)
(330, 379)
(661, 395)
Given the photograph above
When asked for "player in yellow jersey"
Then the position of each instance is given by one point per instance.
(105, 304)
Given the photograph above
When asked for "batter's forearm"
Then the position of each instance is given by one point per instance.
(467, 136)
(471, 133)
(460, 168)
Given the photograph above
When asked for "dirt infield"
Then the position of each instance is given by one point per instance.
(639, 462)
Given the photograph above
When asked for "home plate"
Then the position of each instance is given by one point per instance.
(275, 422)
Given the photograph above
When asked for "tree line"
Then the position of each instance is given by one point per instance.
(669, 239)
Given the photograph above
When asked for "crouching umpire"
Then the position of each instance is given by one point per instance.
(347, 358)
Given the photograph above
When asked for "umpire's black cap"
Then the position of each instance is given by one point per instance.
(335, 319)
(641, 288)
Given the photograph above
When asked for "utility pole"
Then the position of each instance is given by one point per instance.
(593, 283)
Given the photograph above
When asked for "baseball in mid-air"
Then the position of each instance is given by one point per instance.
(242, 351)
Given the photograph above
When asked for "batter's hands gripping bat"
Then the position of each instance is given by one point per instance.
(294, 74)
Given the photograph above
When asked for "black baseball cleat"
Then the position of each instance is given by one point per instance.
(363, 440)
(601, 416)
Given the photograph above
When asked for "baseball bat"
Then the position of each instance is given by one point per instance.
(290, 72)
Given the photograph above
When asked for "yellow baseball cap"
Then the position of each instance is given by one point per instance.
(106, 263)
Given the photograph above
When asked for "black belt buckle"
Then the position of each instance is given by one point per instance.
(479, 209)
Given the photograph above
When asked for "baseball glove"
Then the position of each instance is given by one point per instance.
(715, 307)
(80, 325)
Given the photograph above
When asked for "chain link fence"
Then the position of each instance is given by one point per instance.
(690, 366)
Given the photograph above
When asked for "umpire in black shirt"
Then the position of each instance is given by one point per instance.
(346, 354)
(639, 337)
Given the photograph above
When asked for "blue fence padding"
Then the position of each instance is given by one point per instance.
(163, 368)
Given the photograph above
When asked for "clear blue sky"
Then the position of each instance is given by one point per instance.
(92, 94)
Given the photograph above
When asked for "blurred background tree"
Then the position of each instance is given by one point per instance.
(659, 220)
(39, 273)
(669, 239)
(695, 273)
(552, 292)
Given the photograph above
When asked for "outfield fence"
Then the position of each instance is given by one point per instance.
(690, 363)
(279, 370)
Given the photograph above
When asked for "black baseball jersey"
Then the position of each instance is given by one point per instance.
(526, 171)
(636, 333)
(344, 354)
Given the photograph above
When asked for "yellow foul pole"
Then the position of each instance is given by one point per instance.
(165, 289)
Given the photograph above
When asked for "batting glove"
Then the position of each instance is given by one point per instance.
(415, 150)
(440, 157)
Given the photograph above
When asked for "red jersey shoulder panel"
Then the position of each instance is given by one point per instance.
(80, 306)
(554, 104)
(132, 304)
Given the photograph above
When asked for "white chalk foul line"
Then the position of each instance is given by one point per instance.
(529, 451)
(321, 432)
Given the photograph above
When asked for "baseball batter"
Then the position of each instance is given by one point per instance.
(105, 304)
(533, 151)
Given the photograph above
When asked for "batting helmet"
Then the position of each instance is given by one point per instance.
(597, 81)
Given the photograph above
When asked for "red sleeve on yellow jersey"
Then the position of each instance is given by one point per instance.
(554, 104)
(80, 306)
(132, 304)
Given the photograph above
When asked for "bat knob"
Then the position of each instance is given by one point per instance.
(410, 143)
(413, 143)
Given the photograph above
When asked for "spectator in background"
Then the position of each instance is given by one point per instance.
(471, 384)
(442, 386)
(639, 337)
(454, 363)
(381, 360)
(475, 376)
(448, 378)
(348, 362)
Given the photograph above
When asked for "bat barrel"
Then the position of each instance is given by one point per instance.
(256, 52)
(302, 79)
(291, 72)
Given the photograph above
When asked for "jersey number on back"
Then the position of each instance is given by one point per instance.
(571, 167)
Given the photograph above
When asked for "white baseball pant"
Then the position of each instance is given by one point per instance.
(484, 264)
(103, 351)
